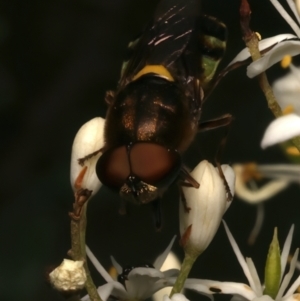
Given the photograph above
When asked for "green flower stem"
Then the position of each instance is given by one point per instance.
(186, 267)
(78, 229)
(251, 41)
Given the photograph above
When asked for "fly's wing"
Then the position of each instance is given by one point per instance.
(165, 39)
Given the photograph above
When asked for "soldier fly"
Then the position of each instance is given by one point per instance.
(154, 114)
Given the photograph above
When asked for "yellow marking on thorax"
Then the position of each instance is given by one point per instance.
(157, 69)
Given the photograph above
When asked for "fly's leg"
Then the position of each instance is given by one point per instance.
(81, 197)
(218, 160)
(89, 156)
(182, 197)
(186, 180)
(110, 97)
(222, 121)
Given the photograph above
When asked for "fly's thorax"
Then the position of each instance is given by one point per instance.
(150, 109)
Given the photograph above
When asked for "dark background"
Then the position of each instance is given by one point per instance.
(57, 59)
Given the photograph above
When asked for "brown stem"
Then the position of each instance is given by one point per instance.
(78, 229)
(251, 41)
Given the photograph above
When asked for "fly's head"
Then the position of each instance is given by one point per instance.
(140, 172)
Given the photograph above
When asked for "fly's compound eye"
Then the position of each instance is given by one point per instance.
(139, 172)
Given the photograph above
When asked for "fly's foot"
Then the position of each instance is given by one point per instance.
(81, 161)
(81, 197)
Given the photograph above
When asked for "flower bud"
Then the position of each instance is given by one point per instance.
(273, 268)
(69, 276)
(207, 205)
(88, 140)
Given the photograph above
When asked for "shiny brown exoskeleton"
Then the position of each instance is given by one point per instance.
(154, 115)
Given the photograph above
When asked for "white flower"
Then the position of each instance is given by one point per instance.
(255, 290)
(284, 44)
(70, 275)
(287, 92)
(281, 129)
(289, 47)
(88, 140)
(276, 54)
(207, 205)
(139, 284)
(263, 45)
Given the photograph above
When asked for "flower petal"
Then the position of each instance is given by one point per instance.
(171, 273)
(263, 298)
(294, 297)
(263, 44)
(286, 17)
(98, 265)
(142, 271)
(242, 261)
(144, 282)
(115, 289)
(281, 129)
(273, 56)
(175, 297)
(297, 3)
(287, 90)
(159, 261)
(116, 265)
(254, 274)
(218, 287)
(167, 286)
(238, 298)
(287, 278)
(293, 8)
(292, 289)
(286, 250)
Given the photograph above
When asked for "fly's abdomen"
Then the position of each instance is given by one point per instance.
(212, 46)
